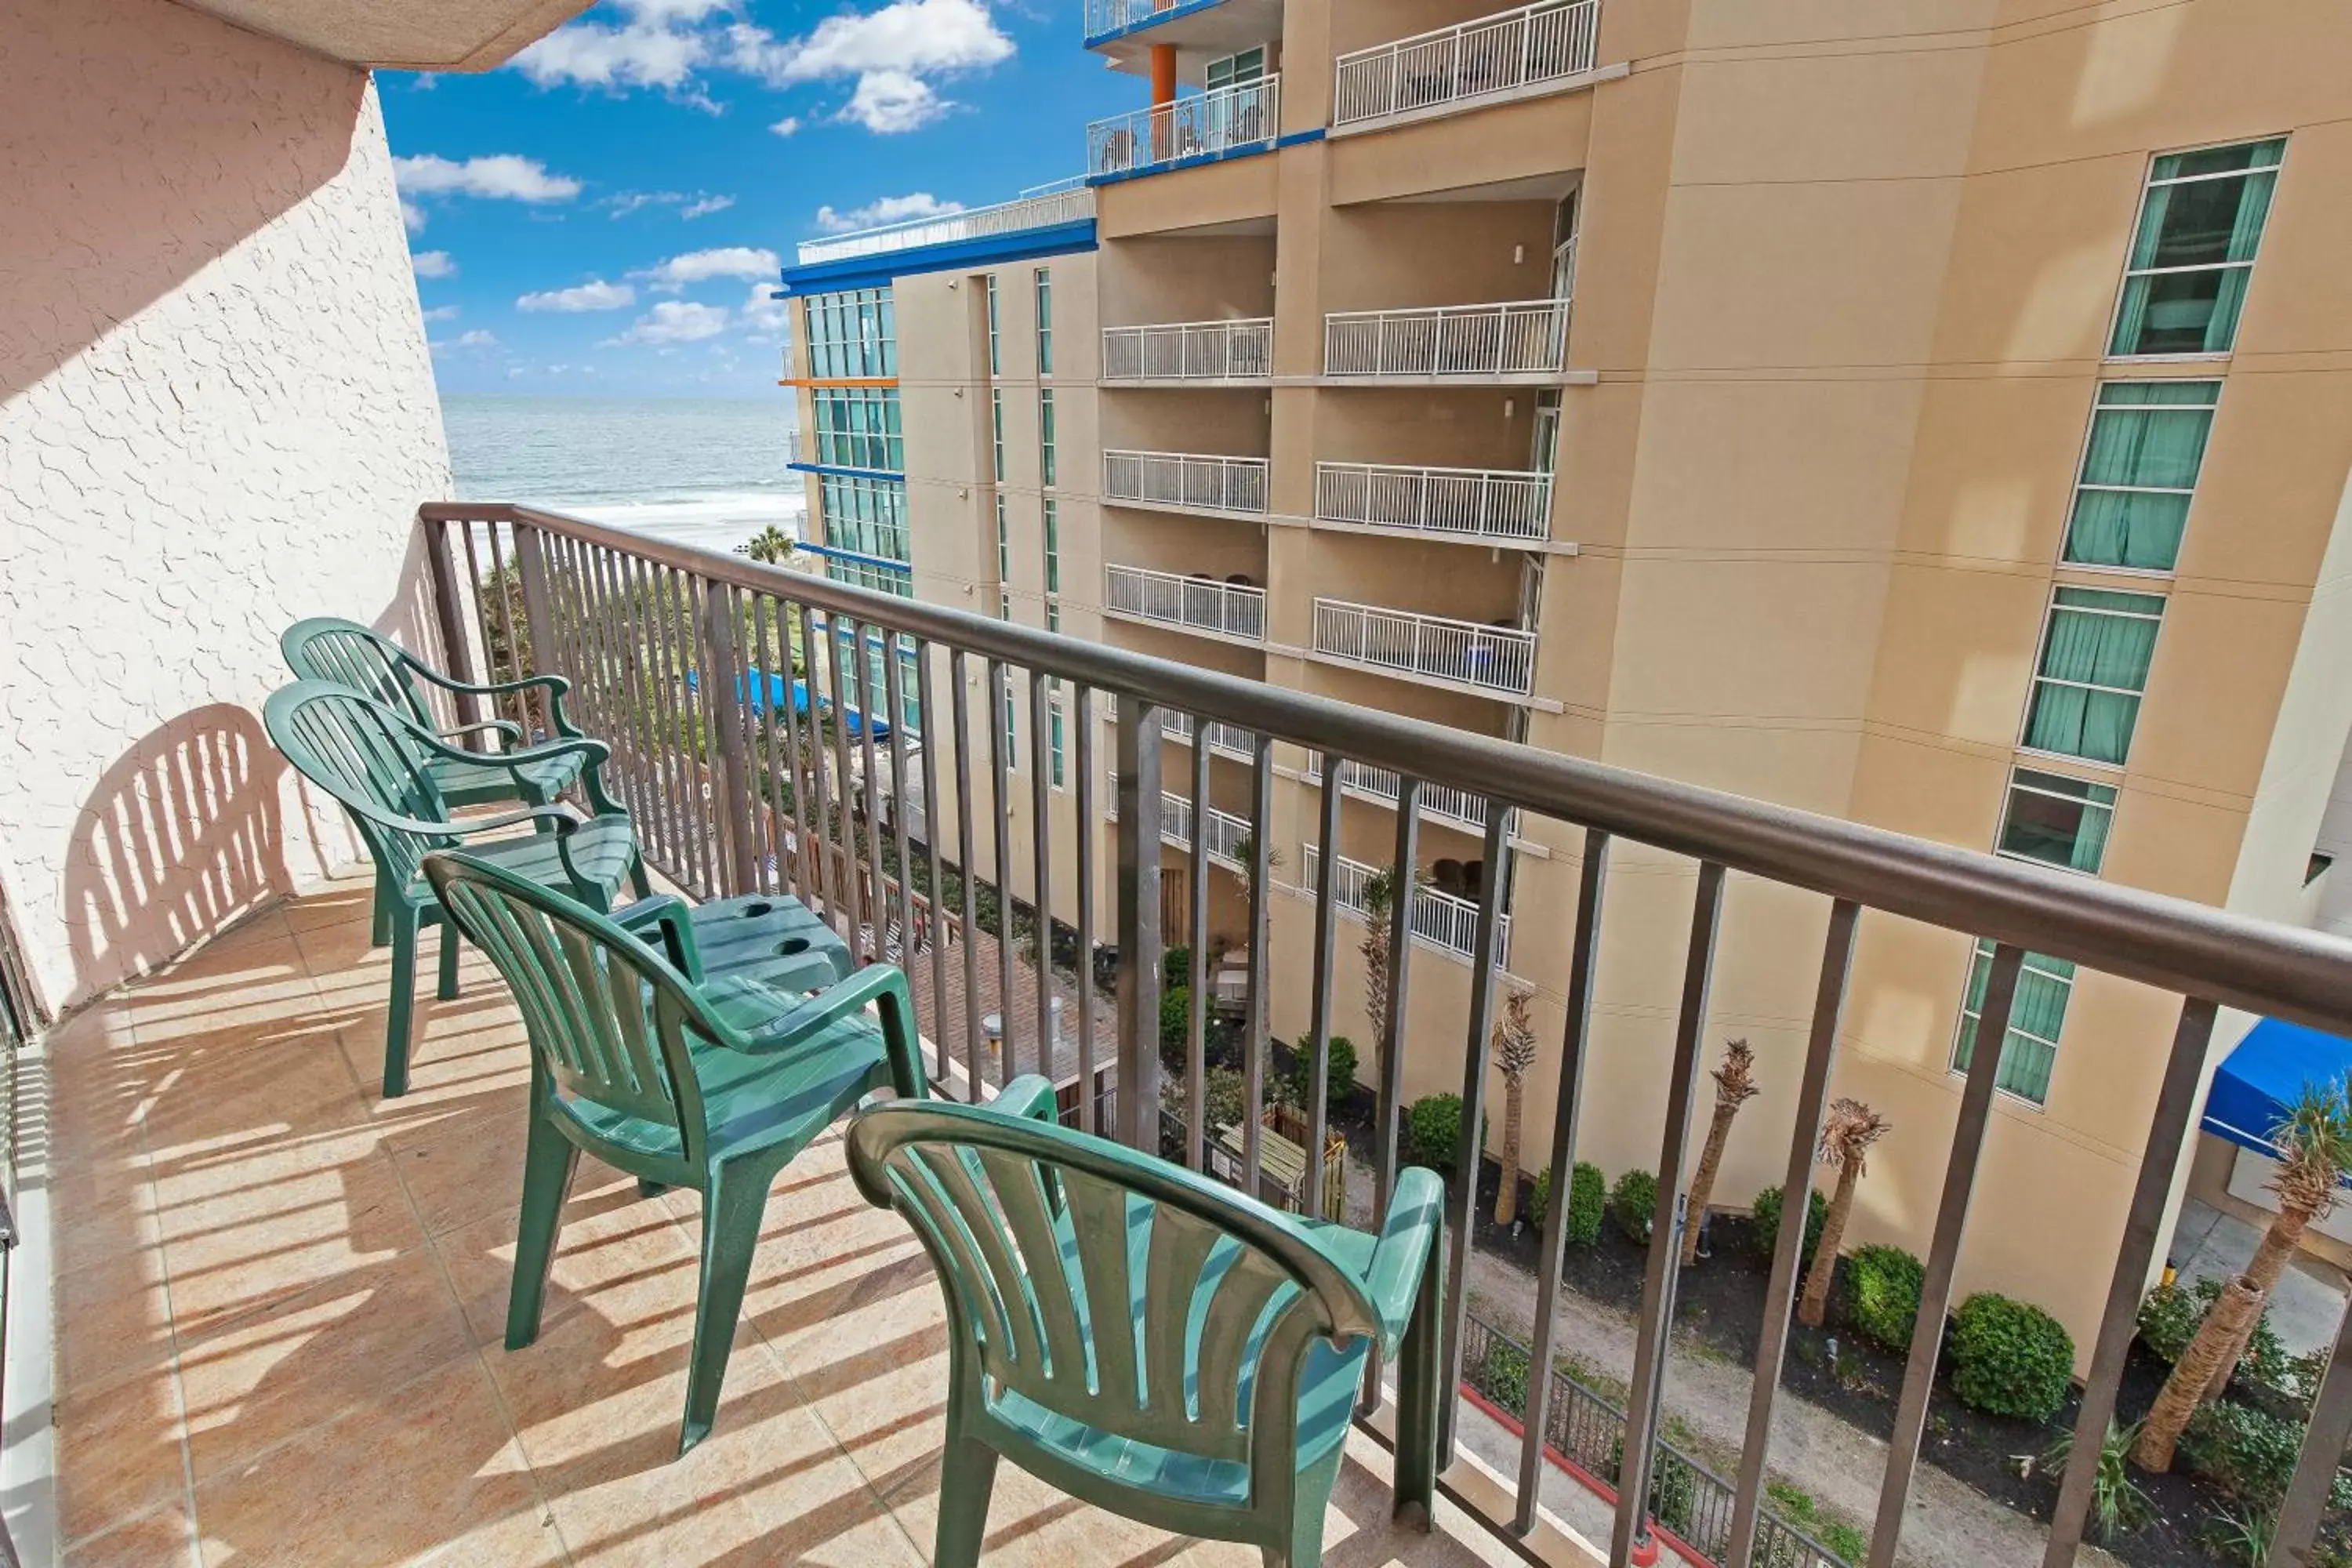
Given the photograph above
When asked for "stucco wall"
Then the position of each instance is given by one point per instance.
(216, 415)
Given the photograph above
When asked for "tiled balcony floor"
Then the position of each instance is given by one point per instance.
(280, 1298)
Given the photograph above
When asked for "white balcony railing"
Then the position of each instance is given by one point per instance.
(1185, 478)
(793, 446)
(1230, 739)
(1440, 920)
(1523, 337)
(1468, 64)
(1493, 659)
(1190, 351)
(1473, 503)
(1198, 603)
(1110, 15)
(1040, 211)
(787, 356)
(1439, 802)
(1197, 125)
(1224, 838)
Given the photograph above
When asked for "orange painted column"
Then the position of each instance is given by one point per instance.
(1163, 93)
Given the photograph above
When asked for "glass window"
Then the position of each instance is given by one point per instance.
(1054, 717)
(1012, 717)
(2057, 820)
(1233, 70)
(858, 428)
(2037, 1014)
(995, 357)
(2095, 657)
(1053, 546)
(996, 427)
(1003, 550)
(2139, 469)
(2201, 221)
(1045, 436)
(1044, 320)
(852, 334)
(868, 518)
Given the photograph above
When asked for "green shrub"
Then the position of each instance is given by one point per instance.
(1227, 1095)
(2010, 1358)
(1588, 1201)
(1882, 1286)
(1503, 1375)
(1176, 967)
(1673, 1487)
(2250, 1453)
(1633, 1203)
(1767, 1226)
(1175, 1018)
(1432, 1131)
(2169, 1320)
(1339, 1070)
(2117, 1504)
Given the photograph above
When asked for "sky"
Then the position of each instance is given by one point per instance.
(605, 215)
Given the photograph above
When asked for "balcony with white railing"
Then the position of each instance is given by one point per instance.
(1224, 838)
(1514, 338)
(1493, 59)
(1439, 920)
(1044, 209)
(1190, 351)
(1198, 481)
(1231, 610)
(1426, 648)
(1228, 121)
(1481, 505)
(1227, 739)
(1441, 803)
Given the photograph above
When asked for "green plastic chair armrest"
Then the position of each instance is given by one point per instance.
(555, 686)
(1030, 1095)
(597, 751)
(565, 818)
(1415, 1220)
(674, 918)
(880, 982)
(507, 728)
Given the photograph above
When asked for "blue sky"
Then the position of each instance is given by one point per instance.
(604, 216)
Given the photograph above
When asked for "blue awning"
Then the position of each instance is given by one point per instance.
(769, 688)
(2265, 1074)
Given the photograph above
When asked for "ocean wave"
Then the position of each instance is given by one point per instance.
(718, 521)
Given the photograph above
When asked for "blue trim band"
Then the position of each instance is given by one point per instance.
(1295, 139)
(1192, 8)
(834, 553)
(988, 250)
(846, 472)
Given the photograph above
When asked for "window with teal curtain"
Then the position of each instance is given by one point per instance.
(1045, 466)
(2201, 222)
(2057, 820)
(2139, 470)
(2095, 659)
(2036, 1017)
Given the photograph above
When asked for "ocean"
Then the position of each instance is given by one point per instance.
(705, 472)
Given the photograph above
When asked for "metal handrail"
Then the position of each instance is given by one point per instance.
(1438, 648)
(1202, 604)
(1195, 125)
(1238, 350)
(1206, 480)
(1472, 503)
(1041, 211)
(1443, 920)
(1514, 337)
(1468, 64)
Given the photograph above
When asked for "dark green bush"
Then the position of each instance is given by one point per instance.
(2010, 1358)
(1175, 1018)
(1633, 1203)
(1228, 1098)
(1767, 1225)
(1882, 1300)
(2169, 1320)
(1673, 1487)
(1588, 1201)
(1176, 968)
(1339, 1070)
(1503, 1375)
(1432, 1131)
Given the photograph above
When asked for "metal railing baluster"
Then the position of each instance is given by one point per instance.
(840, 876)
(1196, 1024)
(856, 908)
(1000, 800)
(1139, 953)
(1406, 876)
(1083, 760)
(1041, 843)
(1326, 923)
(893, 694)
(1256, 1044)
(1470, 1149)
(967, 876)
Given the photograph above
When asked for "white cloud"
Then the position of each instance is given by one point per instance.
(593, 295)
(705, 206)
(411, 217)
(502, 176)
(591, 54)
(477, 339)
(886, 209)
(442, 314)
(762, 313)
(889, 102)
(667, 12)
(675, 322)
(912, 36)
(434, 264)
(788, 126)
(702, 266)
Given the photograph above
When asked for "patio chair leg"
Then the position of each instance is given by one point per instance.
(731, 1208)
(1308, 1504)
(380, 927)
(967, 1479)
(533, 794)
(1418, 1369)
(447, 991)
(401, 1016)
(549, 1160)
(639, 883)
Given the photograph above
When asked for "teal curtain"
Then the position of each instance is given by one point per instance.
(2245, 234)
(2184, 226)
(2090, 839)
(2146, 444)
(2036, 1017)
(2095, 649)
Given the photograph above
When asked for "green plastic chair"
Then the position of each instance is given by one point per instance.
(707, 1087)
(1148, 1341)
(373, 760)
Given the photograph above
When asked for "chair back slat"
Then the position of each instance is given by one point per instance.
(1017, 1356)
(351, 654)
(1021, 1199)
(1178, 1257)
(365, 756)
(958, 1254)
(1112, 1276)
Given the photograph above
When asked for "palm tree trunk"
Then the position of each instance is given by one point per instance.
(1506, 1196)
(1702, 1187)
(1815, 1306)
(2271, 1258)
(2184, 1389)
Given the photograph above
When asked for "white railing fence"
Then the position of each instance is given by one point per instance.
(1441, 802)
(1480, 503)
(1467, 62)
(1224, 836)
(1517, 337)
(1185, 478)
(1198, 125)
(1042, 211)
(1201, 602)
(1189, 349)
(1497, 658)
(1438, 919)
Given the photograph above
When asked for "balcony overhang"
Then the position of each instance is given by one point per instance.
(412, 35)
(1198, 30)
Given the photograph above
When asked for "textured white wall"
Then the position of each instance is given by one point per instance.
(216, 416)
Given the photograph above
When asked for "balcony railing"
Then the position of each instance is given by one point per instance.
(1041, 211)
(1197, 125)
(1529, 337)
(1190, 351)
(1438, 802)
(1196, 603)
(1230, 739)
(1440, 920)
(1224, 836)
(1467, 503)
(731, 797)
(1185, 478)
(1493, 659)
(1468, 64)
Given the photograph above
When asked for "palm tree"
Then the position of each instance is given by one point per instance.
(772, 546)
(1379, 898)
(2314, 1144)
(1515, 1053)
(1734, 1086)
(1847, 1133)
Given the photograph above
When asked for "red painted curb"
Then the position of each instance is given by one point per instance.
(1642, 1557)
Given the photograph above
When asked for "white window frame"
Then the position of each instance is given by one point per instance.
(2082, 459)
(2040, 644)
(2001, 828)
(1044, 296)
(2148, 182)
(995, 352)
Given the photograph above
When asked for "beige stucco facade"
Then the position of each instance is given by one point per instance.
(1842, 288)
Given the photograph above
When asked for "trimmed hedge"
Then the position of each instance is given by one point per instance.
(1432, 1131)
(1175, 1018)
(1767, 1226)
(1588, 1202)
(1882, 1284)
(1633, 1203)
(2010, 1358)
(1339, 1070)
(2249, 1453)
